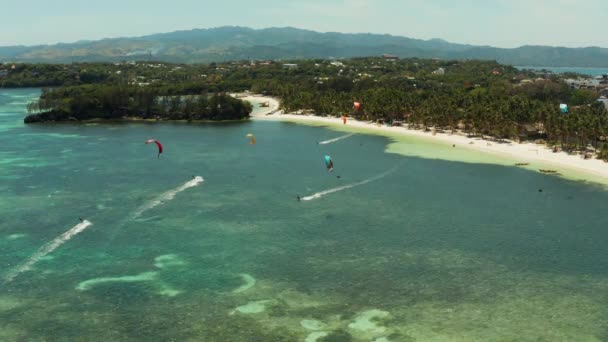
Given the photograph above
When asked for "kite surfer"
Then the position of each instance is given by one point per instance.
(160, 146)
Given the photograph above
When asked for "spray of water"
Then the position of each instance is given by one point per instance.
(348, 186)
(167, 196)
(46, 249)
(336, 139)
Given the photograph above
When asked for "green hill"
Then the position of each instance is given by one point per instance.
(238, 43)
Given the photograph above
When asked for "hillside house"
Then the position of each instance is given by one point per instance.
(391, 58)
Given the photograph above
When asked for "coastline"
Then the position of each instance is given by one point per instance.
(536, 155)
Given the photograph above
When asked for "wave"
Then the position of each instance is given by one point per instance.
(336, 139)
(46, 249)
(165, 197)
(348, 186)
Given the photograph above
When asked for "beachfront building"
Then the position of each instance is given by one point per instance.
(529, 132)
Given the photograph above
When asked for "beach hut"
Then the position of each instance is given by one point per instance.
(528, 131)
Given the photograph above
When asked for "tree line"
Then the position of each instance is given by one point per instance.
(478, 97)
(115, 102)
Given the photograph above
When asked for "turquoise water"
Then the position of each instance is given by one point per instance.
(407, 248)
(561, 70)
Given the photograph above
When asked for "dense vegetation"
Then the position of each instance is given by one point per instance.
(116, 91)
(478, 97)
(238, 43)
(110, 102)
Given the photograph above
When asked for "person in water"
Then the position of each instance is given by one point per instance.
(81, 220)
(298, 197)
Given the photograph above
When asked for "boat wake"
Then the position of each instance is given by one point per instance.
(46, 249)
(348, 186)
(167, 196)
(336, 139)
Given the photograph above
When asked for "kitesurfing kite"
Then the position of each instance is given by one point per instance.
(160, 146)
(252, 141)
(329, 163)
(563, 108)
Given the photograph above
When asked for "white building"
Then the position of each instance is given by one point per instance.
(440, 72)
(604, 100)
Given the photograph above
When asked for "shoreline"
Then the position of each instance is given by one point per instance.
(130, 119)
(527, 152)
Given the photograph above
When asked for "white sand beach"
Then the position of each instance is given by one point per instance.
(526, 152)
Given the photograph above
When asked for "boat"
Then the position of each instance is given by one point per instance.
(547, 171)
(522, 164)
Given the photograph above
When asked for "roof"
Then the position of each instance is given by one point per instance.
(389, 56)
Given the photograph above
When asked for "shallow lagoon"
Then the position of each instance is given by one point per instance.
(438, 250)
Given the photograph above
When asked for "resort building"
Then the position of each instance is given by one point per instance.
(583, 83)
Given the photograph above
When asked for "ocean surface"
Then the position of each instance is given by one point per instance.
(209, 243)
(561, 70)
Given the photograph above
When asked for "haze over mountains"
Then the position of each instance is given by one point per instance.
(241, 43)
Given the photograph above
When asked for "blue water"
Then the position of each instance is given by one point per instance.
(561, 70)
(407, 248)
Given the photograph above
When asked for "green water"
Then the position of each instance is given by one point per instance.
(434, 251)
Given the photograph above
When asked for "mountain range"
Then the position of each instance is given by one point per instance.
(241, 43)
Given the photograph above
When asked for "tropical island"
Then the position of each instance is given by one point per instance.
(107, 102)
(479, 98)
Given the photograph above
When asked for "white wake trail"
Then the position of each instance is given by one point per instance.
(46, 249)
(167, 196)
(336, 139)
(348, 186)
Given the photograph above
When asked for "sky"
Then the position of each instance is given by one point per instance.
(501, 23)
